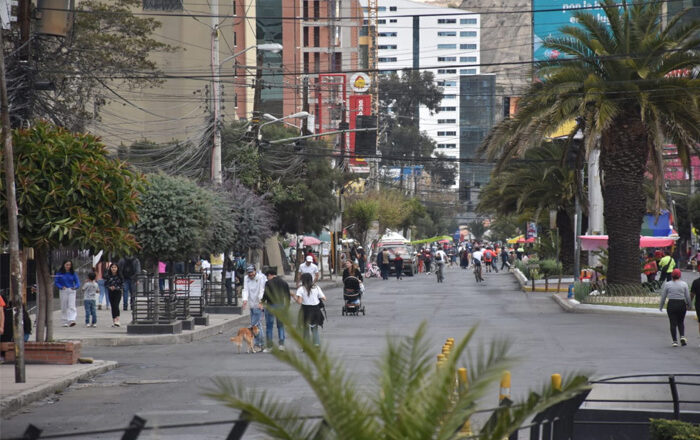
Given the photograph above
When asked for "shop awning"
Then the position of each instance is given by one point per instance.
(596, 242)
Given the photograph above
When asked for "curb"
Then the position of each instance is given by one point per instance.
(182, 338)
(573, 306)
(13, 403)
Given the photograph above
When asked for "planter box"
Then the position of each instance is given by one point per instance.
(57, 353)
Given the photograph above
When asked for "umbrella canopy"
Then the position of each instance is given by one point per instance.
(522, 239)
(595, 242)
(306, 241)
(515, 239)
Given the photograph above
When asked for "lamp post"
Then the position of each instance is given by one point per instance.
(216, 175)
(273, 119)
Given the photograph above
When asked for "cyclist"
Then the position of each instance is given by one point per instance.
(440, 261)
(477, 257)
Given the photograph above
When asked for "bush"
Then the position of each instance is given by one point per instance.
(662, 429)
(550, 267)
(581, 291)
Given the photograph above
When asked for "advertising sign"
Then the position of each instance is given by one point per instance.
(192, 285)
(531, 230)
(358, 105)
(552, 15)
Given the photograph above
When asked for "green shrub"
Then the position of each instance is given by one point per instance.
(581, 291)
(662, 429)
(550, 267)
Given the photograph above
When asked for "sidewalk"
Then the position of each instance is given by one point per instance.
(45, 380)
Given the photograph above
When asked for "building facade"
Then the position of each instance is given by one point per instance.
(444, 41)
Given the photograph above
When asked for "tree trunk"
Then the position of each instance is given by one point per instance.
(565, 224)
(623, 159)
(44, 322)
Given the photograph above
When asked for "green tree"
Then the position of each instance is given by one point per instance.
(477, 229)
(504, 227)
(69, 193)
(109, 48)
(407, 92)
(532, 187)
(361, 213)
(174, 218)
(392, 210)
(411, 399)
(629, 83)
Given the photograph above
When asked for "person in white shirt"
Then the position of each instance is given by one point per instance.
(310, 297)
(253, 290)
(310, 268)
(477, 259)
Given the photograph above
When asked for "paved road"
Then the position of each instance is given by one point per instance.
(164, 384)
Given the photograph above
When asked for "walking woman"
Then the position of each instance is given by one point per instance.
(310, 297)
(678, 303)
(67, 282)
(114, 283)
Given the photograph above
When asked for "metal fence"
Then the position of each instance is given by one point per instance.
(151, 305)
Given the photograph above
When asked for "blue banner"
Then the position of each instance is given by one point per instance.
(553, 15)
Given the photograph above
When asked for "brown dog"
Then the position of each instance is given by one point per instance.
(247, 335)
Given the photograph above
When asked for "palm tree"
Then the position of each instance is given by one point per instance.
(629, 84)
(412, 399)
(536, 185)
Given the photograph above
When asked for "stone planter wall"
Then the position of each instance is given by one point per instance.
(61, 353)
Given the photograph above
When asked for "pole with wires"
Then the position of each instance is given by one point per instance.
(216, 176)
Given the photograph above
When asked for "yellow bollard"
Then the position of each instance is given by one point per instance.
(504, 392)
(451, 340)
(463, 380)
(441, 358)
(556, 382)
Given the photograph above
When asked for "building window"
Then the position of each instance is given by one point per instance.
(447, 146)
(162, 5)
(393, 20)
(448, 97)
(317, 9)
(446, 46)
(447, 84)
(446, 59)
(467, 34)
(387, 34)
(467, 71)
(467, 21)
(447, 109)
(387, 59)
(381, 8)
(467, 46)
(447, 21)
(306, 36)
(387, 46)
(467, 59)
(381, 21)
(317, 62)
(447, 121)
(234, 7)
(392, 8)
(317, 36)
(306, 62)
(447, 133)
(447, 34)
(446, 71)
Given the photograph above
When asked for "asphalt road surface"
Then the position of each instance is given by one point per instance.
(164, 384)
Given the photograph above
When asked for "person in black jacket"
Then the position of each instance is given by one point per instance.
(275, 297)
(114, 284)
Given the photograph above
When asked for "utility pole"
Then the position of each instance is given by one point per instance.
(257, 97)
(16, 278)
(216, 176)
(305, 105)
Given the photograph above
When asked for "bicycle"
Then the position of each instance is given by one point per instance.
(438, 272)
(477, 272)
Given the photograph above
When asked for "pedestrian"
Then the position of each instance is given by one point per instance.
(253, 291)
(114, 283)
(650, 268)
(310, 268)
(162, 270)
(427, 259)
(519, 252)
(361, 259)
(398, 265)
(90, 290)
(310, 297)
(276, 297)
(100, 270)
(504, 258)
(351, 270)
(128, 267)
(678, 303)
(383, 263)
(67, 282)
(666, 266)
(694, 295)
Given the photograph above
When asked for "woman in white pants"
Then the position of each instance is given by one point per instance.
(67, 282)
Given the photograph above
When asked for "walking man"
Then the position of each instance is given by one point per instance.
(276, 297)
(383, 263)
(309, 267)
(129, 267)
(253, 291)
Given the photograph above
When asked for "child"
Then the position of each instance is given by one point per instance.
(90, 291)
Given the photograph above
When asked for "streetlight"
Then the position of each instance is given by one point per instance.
(216, 175)
(273, 119)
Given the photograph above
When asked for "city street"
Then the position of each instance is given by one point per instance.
(164, 384)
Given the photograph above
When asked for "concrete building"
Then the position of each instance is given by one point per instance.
(316, 36)
(444, 41)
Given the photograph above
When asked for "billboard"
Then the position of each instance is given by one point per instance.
(552, 15)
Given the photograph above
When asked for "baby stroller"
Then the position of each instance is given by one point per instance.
(352, 294)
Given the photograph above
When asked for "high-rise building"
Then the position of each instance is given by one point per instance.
(444, 41)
